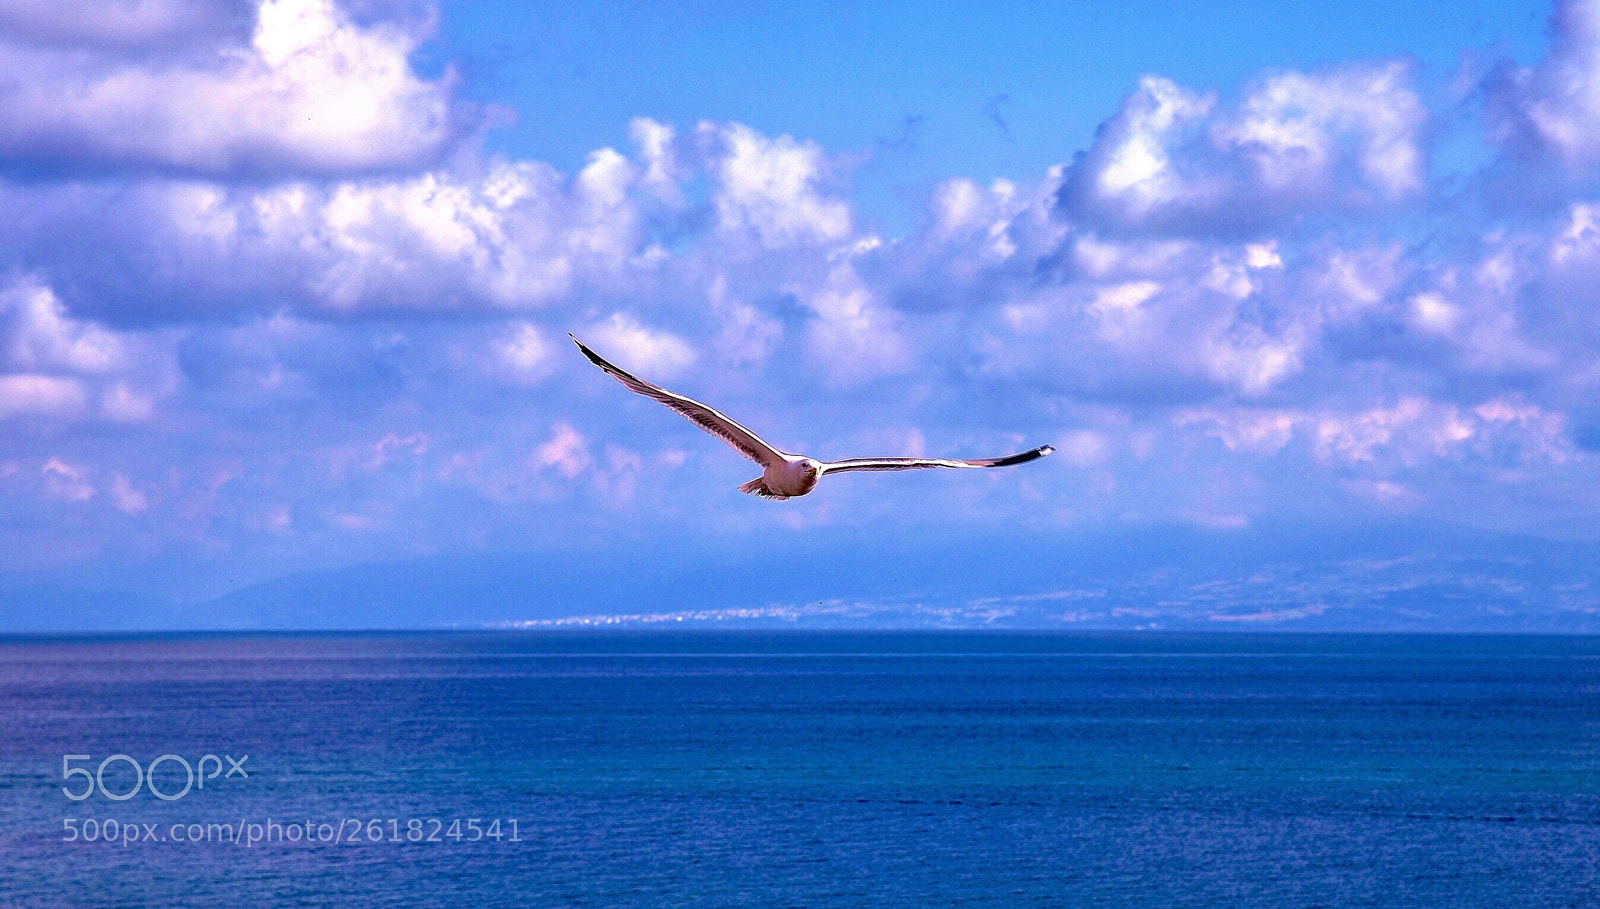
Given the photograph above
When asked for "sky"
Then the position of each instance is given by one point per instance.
(284, 291)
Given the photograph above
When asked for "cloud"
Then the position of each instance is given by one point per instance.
(663, 167)
(774, 189)
(125, 25)
(39, 334)
(645, 350)
(746, 336)
(128, 499)
(1550, 112)
(1163, 321)
(1406, 433)
(482, 233)
(311, 92)
(54, 365)
(507, 235)
(1301, 132)
(67, 482)
(853, 336)
(394, 446)
(24, 394)
(567, 452)
(522, 354)
(1176, 160)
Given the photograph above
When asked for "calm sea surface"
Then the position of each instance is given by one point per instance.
(804, 770)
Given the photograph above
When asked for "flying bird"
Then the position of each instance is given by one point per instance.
(784, 475)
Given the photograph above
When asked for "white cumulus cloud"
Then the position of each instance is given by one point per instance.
(311, 91)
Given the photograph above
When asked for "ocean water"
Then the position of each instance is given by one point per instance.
(805, 770)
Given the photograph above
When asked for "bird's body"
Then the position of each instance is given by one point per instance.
(784, 475)
(787, 478)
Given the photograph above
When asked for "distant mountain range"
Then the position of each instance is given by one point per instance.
(1426, 579)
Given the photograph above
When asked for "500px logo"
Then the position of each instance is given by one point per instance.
(194, 776)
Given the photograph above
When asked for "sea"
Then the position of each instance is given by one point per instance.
(799, 769)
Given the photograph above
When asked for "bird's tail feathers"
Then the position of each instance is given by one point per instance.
(758, 487)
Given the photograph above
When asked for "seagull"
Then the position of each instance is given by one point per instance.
(784, 475)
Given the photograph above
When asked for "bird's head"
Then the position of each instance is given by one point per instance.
(810, 467)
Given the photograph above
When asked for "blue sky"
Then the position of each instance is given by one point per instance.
(928, 90)
(285, 288)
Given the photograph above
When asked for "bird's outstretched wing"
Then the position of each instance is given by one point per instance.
(710, 419)
(849, 464)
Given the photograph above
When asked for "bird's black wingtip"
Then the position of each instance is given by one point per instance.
(591, 355)
(1023, 458)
